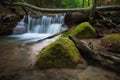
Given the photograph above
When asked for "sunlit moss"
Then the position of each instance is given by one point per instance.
(83, 30)
(61, 53)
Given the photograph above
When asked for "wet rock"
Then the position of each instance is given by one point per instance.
(61, 53)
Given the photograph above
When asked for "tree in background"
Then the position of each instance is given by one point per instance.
(83, 3)
(93, 11)
(88, 2)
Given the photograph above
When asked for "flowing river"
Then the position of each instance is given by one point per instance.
(17, 59)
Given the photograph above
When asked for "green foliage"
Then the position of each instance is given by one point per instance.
(83, 30)
(61, 53)
(76, 3)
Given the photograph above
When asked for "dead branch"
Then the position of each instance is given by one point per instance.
(48, 37)
(52, 36)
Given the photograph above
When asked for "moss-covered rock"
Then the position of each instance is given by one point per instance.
(61, 53)
(111, 42)
(83, 30)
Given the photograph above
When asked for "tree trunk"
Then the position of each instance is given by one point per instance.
(88, 2)
(93, 9)
(83, 3)
(99, 2)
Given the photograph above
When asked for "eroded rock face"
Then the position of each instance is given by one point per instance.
(83, 30)
(111, 42)
(61, 53)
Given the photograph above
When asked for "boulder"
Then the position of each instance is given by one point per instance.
(61, 53)
(83, 30)
(111, 42)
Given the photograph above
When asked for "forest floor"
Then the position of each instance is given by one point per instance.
(17, 63)
(82, 72)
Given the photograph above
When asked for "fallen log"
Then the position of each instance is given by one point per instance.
(93, 56)
(52, 36)
(111, 57)
(47, 37)
(86, 51)
(102, 8)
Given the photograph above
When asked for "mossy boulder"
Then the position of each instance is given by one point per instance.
(83, 30)
(111, 42)
(61, 53)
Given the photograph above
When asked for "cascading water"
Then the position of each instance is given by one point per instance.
(45, 24)
(39, 27)
(20, 28)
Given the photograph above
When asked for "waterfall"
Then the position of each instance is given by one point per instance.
(20, 28)
(41, 25)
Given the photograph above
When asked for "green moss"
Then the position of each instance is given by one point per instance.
(111, 42)
(61, 53)
(83, 30)
(115, 38)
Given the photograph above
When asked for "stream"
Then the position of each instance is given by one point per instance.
(15, 56)
(17, 59)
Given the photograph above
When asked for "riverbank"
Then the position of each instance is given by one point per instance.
(17, 64)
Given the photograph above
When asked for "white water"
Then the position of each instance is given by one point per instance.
(38, 28)
(20, 28)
